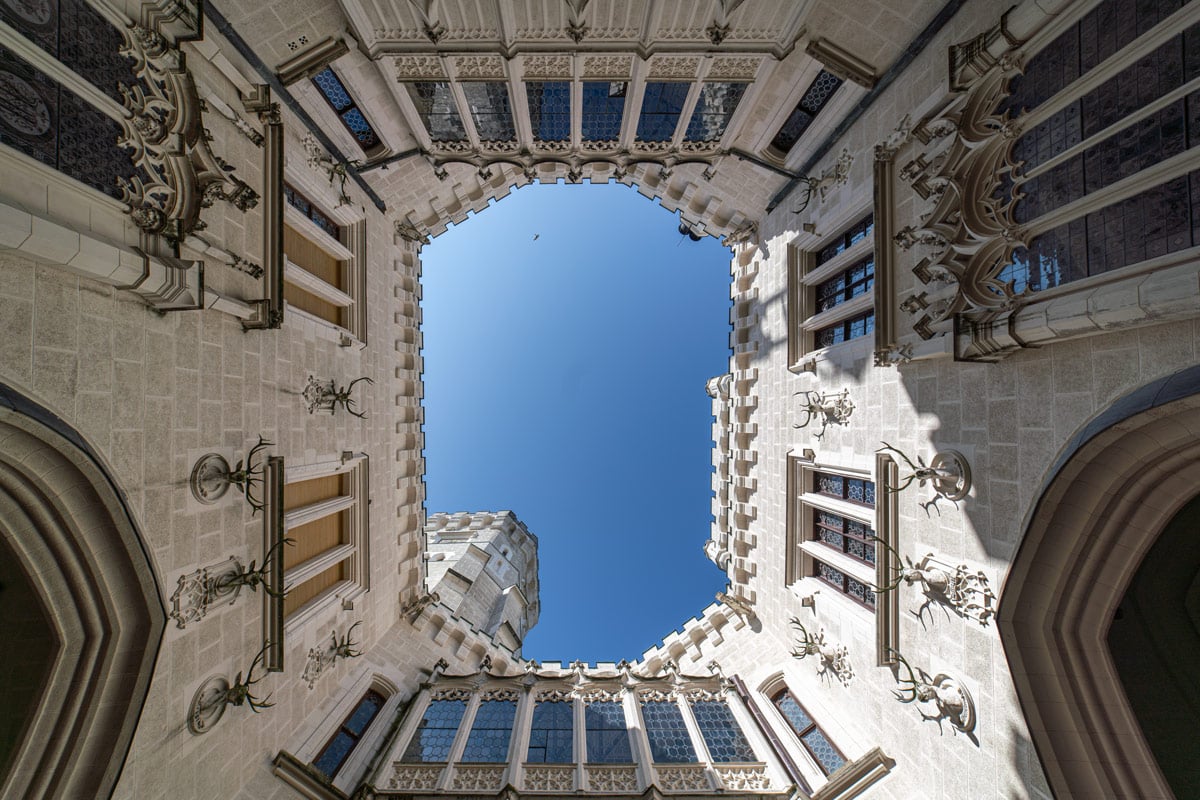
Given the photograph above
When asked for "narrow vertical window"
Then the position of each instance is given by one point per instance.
(489, 737)
(713, 111)
(435, 105)
(603, 110)
(435, 735)
(334, 92)
(607, 736)
(551, 733)
(828, 758)
(662, 104)
(491, 110)
(722, 735)
(334, 754)
(667, 733)
(549, 110)
(818, 94)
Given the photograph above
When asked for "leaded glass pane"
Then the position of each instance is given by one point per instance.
(822, 750)
(860, 230)
(818, 94)
(713, 111)
(435, 104)
(603, 109)
(488, 740)
(829, 484)
(662, 104)
(796, 716)
(334, 92)
(607, 737)
(306, 207)
(435, 734)
(331, 758)
(551, 733)
(831, 538)
(860, 591)
(359, 126)
(667, 734)
(854, 490)
(490, 110)
(549, 110)
(830, 574)
(363, 713)
(829, 520)
(723, 736)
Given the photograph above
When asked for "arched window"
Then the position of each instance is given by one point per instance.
(828, 757)
(334, 754)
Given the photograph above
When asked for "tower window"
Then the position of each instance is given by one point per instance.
(714, 109)
(549, 110)
(491, 110)
(828, 758)
(551, 734)
(435, 105)
(722, 735)
(667, 733)
(491, 732)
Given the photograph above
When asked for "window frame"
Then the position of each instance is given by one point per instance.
(369, 151)
(784, 690)
(356, 737)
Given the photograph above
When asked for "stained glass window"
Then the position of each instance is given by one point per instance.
(603, 110)
(435, 735)
(662, 103)
(607, 737)
(814, 739)
(309, 209)
(855, 233)
(334, 92)
(549, 110)
(51, 124)
(722, 735)
(845, 330)
(844, 583)
(846, 285)
(491, 110)
(488, 740)
(435, 105)
(714, 109)
(667, 734)
(815, 97)
(859, 490)
(847, 535)
(338, 749)
(551, 733)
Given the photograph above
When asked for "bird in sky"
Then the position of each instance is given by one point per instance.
(535, 236)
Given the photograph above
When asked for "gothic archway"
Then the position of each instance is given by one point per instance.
(1116, 487)
(90, 609)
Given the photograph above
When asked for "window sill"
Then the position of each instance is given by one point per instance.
(311, 231)
(841, 311)
(298, 276)
(324, 328)
(863, 247)
(843, 508)
(860, 571)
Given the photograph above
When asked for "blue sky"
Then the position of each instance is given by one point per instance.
(564, 381)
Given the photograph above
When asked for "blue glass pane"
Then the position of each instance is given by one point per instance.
(363, 713)
(668, 736)
(829, 484)
(489, 736)
(331, 758)
(714, 109)
(333, 90)
(796, 716)
(830, 574)
(607, 738)
(724, 738)
(831, 538)
(436, 732)
(603, 109)
(549, 110)
(815, 97)
(435, 105)
(822, 750)
(860, 591)
(550, 733)
(359, 126)
(490, 110)
(661, 106)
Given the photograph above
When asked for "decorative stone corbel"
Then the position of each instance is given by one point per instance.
(834, 659)
(739, 605)
(894, 356)
(413, 608)
(409, 233)
(829, 408)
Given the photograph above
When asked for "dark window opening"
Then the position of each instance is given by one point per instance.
(549, 110)
(334, 754)
(435, 105)
(662, 104)
(819, 92)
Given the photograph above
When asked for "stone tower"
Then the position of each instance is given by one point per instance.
(484, 567)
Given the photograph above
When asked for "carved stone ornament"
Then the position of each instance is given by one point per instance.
(178, 172)
(948, 473)
(736, 603)
(967, 592)
(479, 67)
(555, 695)
(674, 67)
(836, 175)
(941, 697)
(451, 693)
(199, 591)
(617, 67)
(605, 778)
(477, 778)
(699, 694)
(829, 408)
(415, 777)
(743, 778)
(216, 692)
(549, 778)
(683, 778)
(600, 695)
(747, 233)
(413, 608)
(547, 66)
(832, 658)
(656, 696)
(887, 149)
(894, 356)
(320, 395)
(418, 67)
(322, 659)
(212, 476)
(501, 694)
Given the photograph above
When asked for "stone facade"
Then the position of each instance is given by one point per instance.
(139, 334)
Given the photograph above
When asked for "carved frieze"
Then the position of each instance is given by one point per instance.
(743, 778)
(418, 68)
(479, 66)
(685, 67)
(549, 778)
(415, 777)
(547, 66)
(605, 778)
(199, 591)
(478, 778)
(682, 778)
(616, 67)
(734, 68)
(450, 694)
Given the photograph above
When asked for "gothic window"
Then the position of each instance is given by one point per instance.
(348, 734)
(603, 110)
(549, 110)
(722, 735)
(551, 733)
(491, 732)
(607, 736)
(491, 110)
(434, 101)
(831, 290)
(831, 536)
(662, 104)
(334, 92)
(1134, 114)
(713, 111)
(435, 734)
(316, 273)
(667, 734)
(819, 92)
(818, 745)
(325, 515)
